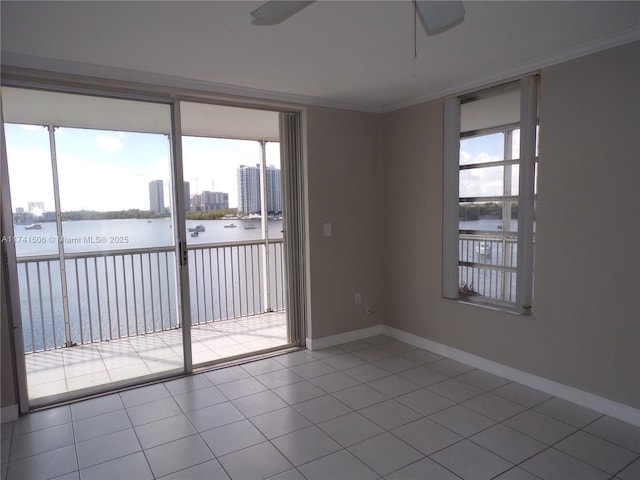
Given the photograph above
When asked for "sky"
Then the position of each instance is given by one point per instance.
(107, 170)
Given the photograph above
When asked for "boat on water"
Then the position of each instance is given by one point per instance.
(230, 225)
(33, 226)
(250, 226)
(197, 228)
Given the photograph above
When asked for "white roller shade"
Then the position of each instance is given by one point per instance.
(37, 107)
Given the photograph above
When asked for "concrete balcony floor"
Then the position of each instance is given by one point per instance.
(93, 365)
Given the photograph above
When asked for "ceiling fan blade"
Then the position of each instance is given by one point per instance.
(437, 17)
(277, 11)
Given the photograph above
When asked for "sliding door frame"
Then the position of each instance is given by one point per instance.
(292, 163)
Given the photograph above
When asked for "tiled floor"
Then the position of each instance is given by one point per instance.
(368, 409)
(85, 366)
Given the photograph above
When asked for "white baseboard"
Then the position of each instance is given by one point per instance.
(580, 397)
(330, 341)
(589, 400)
(10, 413)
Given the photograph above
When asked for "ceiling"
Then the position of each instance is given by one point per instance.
(356, 54)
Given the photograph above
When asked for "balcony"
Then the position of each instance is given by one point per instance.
(111, 316)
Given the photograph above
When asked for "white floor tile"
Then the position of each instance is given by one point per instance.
(233, 437)
(493, 406)
(241, 388)
(195, 399)
(204, 471)
(554, 465)
(390, 414)
(178, 455)
(616, 431)
(321, 409)
(426, 435)
(597, 452)
(360, 396)
(280, 422)
(424, 401)
(305, 445)
(455, 390)
(164, 431)
(50, 464)
(461, 420)
(393, 385)
(104, 424)
(138, 396)
(279, 378)
(385, 453)
(153, 411)
(341, 464)
(131, 466)
(350, 429)
(468, 460)
(214, 416)
(41, 441)
(259, 403)
(526, 396)
(107, 447)
(39, 420)
(508, 443)
(425, 468)
(540, 427)
(334, 381)
(298, 392)
(257, 462)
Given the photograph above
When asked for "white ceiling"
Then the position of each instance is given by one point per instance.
(356, 54)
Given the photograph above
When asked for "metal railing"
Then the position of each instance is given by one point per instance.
(487, 265)
(122, 293)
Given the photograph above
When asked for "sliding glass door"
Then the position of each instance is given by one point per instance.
(93, 231)
(149, 237)
(234, 218)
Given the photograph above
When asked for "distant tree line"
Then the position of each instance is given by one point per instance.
(211, 214)
(482, 211)
(109, 215)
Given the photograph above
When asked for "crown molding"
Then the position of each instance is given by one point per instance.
(565, 55)
(169, 82)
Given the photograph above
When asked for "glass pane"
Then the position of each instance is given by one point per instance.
(236, 277)
(482, 182)
(489, 216)
(114, 189)
(482, 149)
(99, 303)
(29, 162)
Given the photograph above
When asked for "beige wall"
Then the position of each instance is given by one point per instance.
(343, 168)
(585, 331)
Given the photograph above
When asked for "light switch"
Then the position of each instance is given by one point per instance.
(326, 230)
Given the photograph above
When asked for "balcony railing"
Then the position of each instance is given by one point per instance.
(122, 293)
(487, 265)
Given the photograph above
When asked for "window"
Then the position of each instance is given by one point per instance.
(489, 199)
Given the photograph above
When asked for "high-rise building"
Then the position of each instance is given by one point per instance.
(249, 189)
(249, 195)
(274, 190)
(215, 200)
(156, 196)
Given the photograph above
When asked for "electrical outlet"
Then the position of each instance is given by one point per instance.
(326, 230)
(358, 298)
